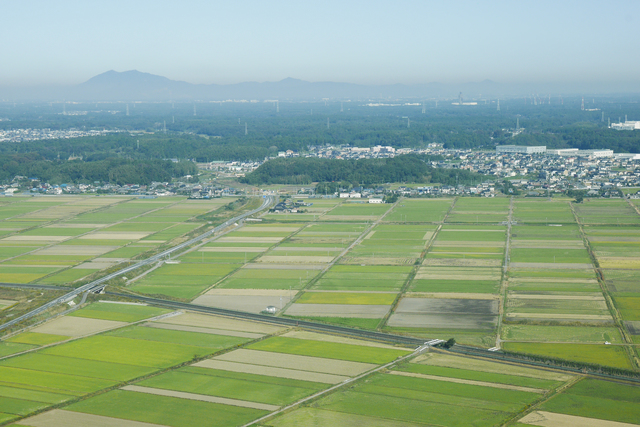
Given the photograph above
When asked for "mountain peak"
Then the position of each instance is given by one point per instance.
(125, 77)
(291, 80)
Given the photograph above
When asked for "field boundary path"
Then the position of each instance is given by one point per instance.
(100, 284)
(629, 345)
(231, 273)
(336, 387)
(545, 398)
(416, 267)
(336, 259)
(505, 268)
(634, 207)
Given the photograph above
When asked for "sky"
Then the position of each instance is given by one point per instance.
(367, 42)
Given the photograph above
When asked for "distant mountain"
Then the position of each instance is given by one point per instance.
(131, 85)
(138, 86)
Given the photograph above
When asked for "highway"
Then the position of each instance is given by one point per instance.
(99, 284)
(28, 286)
(284, 321)
(463, 350)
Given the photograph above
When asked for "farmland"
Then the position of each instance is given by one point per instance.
(549, 279)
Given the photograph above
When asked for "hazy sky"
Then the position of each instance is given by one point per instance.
(370, 41)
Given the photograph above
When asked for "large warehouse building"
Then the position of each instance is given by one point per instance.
(520, 149)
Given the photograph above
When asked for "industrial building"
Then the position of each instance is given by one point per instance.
(595, 153)
(520, 149)
(574, 152)
(563, 152)
(627, 125)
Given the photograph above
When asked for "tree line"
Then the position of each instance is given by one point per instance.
(305, 170)
(113, 170)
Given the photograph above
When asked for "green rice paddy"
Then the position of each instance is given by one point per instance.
(119, 312)
(354, 353)
(163, 410)
(605, 355)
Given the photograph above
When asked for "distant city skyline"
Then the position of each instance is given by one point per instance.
(366, 42)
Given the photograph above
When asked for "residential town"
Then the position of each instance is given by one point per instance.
(24, 135)
(535, 171)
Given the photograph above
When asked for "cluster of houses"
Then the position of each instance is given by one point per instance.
(291, 206)
(24, 135)
(32, 186)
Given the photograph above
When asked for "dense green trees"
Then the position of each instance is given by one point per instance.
(113, 170)
(408, 168)
(218, 133)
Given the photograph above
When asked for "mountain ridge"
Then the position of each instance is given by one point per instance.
(134, 85)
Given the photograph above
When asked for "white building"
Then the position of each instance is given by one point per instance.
(627, 156)
(563, 152)
(595, 153)
(520, 149)
(375, 200)
(627, 125)
(351, 195)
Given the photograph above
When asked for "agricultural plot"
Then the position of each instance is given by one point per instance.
(590, 308)
(21, 206)
(445, 313)
(78, 326)
(589, 402)
(419, 210)
(230, 389)
(329, 350)
(598, 354)
(567, 257)
(468, 246)
(617, 252)
(450, 390)
(254, 301)
(363, 278)
(185, 280)
(119, 312)
(24, 274)
(430, 279)
(355, 212)
(58, 373)
(157, 348)
(320, 239)
(615, 248)
(560, 334)
(250, 389)
(215, 325)
(268, 278)
(479, 210)
(461, 269)
(164, 410)
(84, 228)
(553, 298)
(543, 211)
(72, 206)
(612, 211)
(459, 367)
(390, 244)
(397, 399)
(318, 363)
(120, 212)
